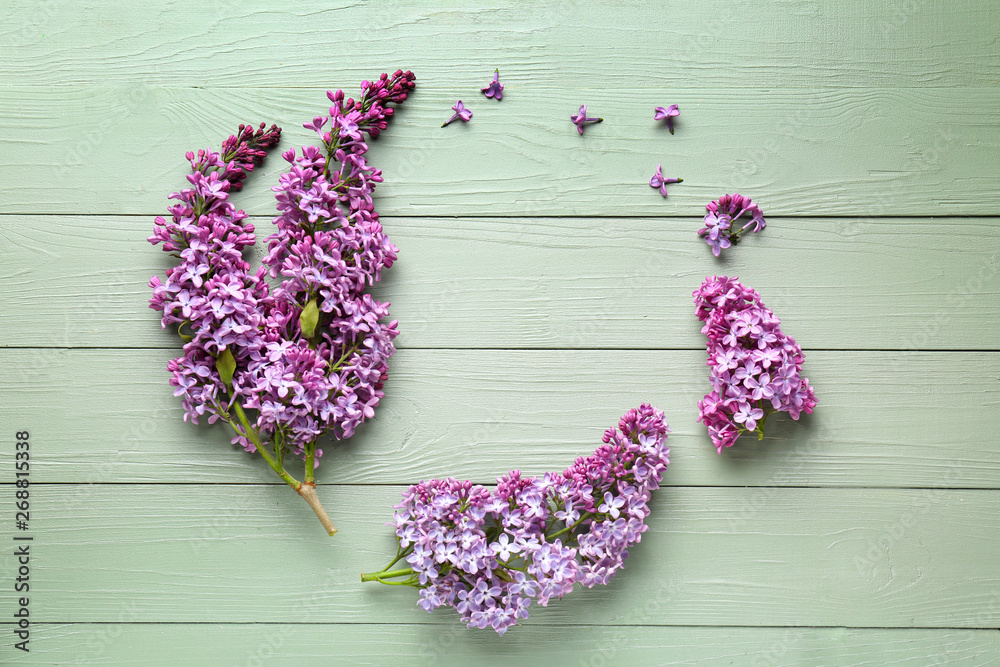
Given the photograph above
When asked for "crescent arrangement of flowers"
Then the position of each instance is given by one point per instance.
(287, 363)
(489, 553)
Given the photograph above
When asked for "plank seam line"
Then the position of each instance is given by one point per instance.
(539, 624)
(86, 83)
(332, 485)
(549, 349)
(483, 216)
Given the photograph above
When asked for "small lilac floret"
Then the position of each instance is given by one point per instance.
(461, 113)
(580, 118)
(658, 181)
(495, 88)
(668, 114)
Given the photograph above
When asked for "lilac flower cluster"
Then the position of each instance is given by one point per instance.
(328, 345)
(721, 229)
(756, 369)
(310, 355)
(489, 554)
(217, 302)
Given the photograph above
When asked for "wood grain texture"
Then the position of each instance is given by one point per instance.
(808, 557)
(862, 152)
(897, 284)
(477, 414)
(532, 644)
(542, 289)
(557, 43)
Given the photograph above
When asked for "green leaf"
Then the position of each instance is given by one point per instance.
(309, 319)
(226, 365)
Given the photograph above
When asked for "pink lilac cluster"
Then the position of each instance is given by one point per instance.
(310, 354)
(756, 368)
(212, 294)
(723, 226)
(489, 554)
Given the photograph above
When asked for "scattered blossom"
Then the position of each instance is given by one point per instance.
(668, 113)
(495, 88)
(580, 118)
(461, 113)
(489, 554)
(723, 227)
(755, 368)
(658, 181)
(309, 355)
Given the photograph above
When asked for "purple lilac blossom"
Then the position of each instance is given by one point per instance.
(658, 181)
(489, 554)
(461, 113)
(580, 118)
(212, 296)
(755, 368)
(660, 113)
(720, 232)
(310, 354)
(495, 88)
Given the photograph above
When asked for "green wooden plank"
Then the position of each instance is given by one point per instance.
(532, 644)
(243, 554)
(865, 152)
(602, 46)
(109, 416)
(903, 284)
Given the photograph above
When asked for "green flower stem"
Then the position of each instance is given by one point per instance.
(305, 489)
(391, 574)
(344, 357)
(760, 425)
(310, 463)
(279, 449)
(567, 529)
(399, 555)
(254, 437)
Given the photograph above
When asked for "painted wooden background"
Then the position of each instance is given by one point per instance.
(542, 290)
